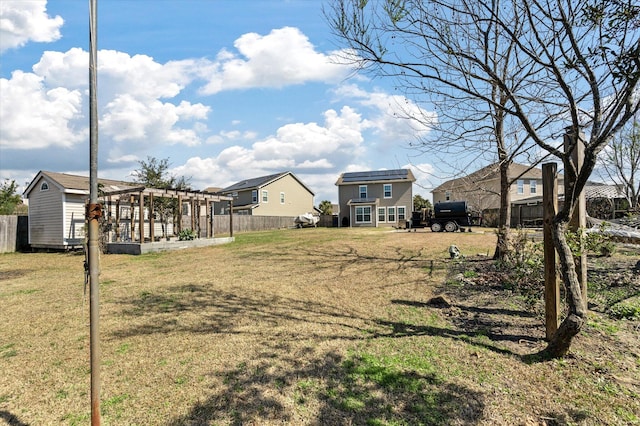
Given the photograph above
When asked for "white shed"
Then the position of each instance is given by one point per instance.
(57, 208)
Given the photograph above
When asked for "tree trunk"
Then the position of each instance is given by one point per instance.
(560, 342)
(504, 219)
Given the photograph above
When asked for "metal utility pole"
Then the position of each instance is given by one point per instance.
(94, 212)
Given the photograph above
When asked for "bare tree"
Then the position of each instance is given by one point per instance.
(580, 63)
(621, 162)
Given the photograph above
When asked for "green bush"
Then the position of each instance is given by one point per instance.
(598, 243)
(626, 310)
(187, 235)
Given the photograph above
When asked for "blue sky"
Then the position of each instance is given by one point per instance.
(225, 89)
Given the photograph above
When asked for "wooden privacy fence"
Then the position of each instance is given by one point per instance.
(14, 233)
(246, 223)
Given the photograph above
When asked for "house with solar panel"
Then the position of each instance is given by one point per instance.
(375, 198)
(280, 194)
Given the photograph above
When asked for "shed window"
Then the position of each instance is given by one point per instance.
(387, 190)
(363, 191)
(44, 186)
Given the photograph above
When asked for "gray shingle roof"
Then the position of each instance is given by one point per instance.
(79, 183)
(253, 182)
(259, 182)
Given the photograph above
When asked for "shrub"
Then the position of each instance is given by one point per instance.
(187, 235)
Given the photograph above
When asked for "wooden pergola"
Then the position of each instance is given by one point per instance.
(196, 199)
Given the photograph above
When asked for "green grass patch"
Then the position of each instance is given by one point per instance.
(628, 309)
(74, 419)
(8, 350)
(113, 406)
(123, 348)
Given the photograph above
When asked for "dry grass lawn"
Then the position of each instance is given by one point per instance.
(310, 326)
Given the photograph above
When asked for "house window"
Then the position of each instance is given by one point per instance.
(387, 190)
(254, 196)
(402, 214)
(282, 198)
(520, 186)
(447, 196)
(381, 214)
(44, 186)
(363, 214)
(391, 214)
(265, 196)
(363, 191)
(533, 186)
(185, 209)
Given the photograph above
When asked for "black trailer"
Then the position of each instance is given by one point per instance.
(449, 216)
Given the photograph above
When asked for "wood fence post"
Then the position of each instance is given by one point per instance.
(179, 214)
(152, 221)
(141, 217)
(551, 284)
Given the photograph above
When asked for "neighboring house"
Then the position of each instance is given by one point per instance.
(280, 194)
(602, 202)
(375, 198)
(481, 189)
(57, 208)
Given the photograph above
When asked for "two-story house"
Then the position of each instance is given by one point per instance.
(481, 188)
(375, 198)
(280, 194)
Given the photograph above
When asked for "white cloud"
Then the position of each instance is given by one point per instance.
(395, 118)
(320, 151)
(36, 116)
(283, 57)
(22, 21)
(49, 107)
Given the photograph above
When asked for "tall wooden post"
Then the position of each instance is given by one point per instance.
(551, 284)
(141, 217)
(118, 219)
(132, 222)
(209, 205)
(231, 218)
(179, 214)
(152, 222)
(578, 221)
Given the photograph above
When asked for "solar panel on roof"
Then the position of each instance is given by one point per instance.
(375, 175)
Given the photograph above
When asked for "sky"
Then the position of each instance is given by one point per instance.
(224, 89)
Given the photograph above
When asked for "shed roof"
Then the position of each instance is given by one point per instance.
(376, 176)
(68, 183)
(79, 184)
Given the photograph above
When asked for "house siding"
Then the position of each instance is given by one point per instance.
(297, 199)
(402, 196)
(74, 219)
(46, 228)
